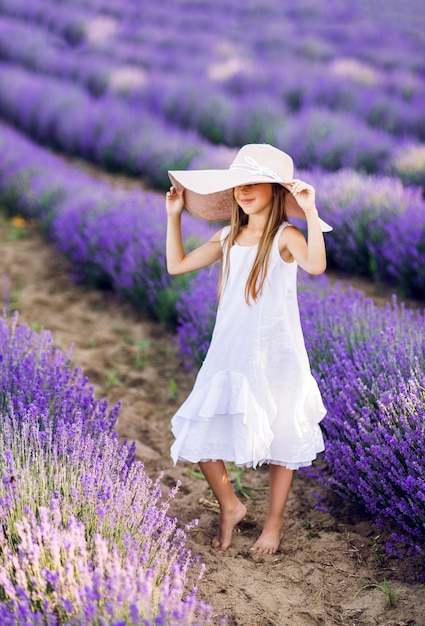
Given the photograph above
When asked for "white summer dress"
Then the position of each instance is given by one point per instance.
(254, 400)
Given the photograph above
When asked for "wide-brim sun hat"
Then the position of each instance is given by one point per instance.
(208, 194)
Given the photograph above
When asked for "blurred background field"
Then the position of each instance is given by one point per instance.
(143, 89)
(134, 89)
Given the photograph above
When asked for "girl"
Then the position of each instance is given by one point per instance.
(254, 400)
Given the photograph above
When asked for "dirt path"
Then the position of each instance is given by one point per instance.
(327, 567)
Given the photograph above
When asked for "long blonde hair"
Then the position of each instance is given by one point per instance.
(238, 220)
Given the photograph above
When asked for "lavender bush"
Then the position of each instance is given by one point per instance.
(408, 163)
(318, 137)
(44, 587)
(377, 223)
(85, 536)
(370, 365)
(33, 372)
(196, 310)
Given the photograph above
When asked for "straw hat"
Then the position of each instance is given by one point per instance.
(209, 193)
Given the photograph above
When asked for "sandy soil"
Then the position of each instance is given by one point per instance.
(329, 570)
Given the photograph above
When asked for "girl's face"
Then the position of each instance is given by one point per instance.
(254, 199)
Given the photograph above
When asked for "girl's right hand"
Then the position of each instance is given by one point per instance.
(174, 202)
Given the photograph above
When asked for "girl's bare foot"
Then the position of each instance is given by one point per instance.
(269, 540)
(228, 520)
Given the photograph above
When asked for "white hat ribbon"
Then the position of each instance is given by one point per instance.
(253, 167)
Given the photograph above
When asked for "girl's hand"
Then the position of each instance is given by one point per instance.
(304, 194)
(310, 253)
(174, 202)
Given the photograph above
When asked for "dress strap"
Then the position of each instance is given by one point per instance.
(275, 246)
(224, 233)
(282, 227)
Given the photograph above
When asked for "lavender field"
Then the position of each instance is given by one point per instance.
(139, 89)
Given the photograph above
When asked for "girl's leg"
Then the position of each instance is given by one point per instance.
(232, 511)
(280, 479)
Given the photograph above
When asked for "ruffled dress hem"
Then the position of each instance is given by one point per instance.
(228, 404)
(251, 464)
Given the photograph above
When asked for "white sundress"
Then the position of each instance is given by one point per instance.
(254, 400)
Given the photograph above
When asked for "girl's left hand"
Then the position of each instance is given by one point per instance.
(304, 194)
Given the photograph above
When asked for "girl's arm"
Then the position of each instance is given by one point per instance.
(310, 254)
(178, 262)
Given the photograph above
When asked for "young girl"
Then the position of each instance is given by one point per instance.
(254, 400)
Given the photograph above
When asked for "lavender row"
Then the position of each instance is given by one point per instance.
(105, 131)
(391, 100)
(272, 30)
(116, 237)
(85, 536)
(315, 124)
(370, 366)
(129, 138)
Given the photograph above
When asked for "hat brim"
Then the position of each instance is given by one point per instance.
(208, 194)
